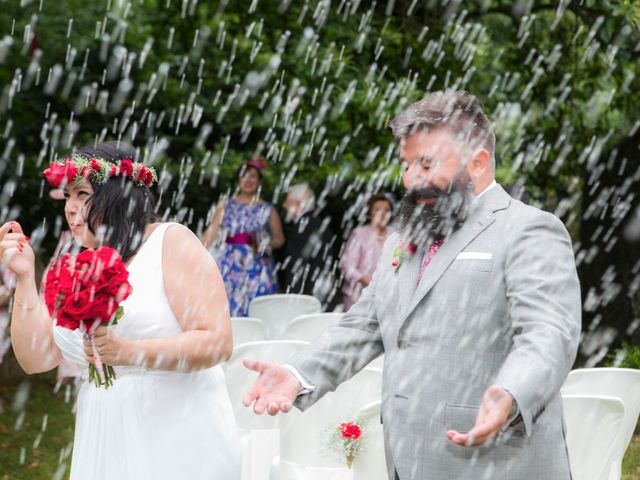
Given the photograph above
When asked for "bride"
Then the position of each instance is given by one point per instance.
(167, 414)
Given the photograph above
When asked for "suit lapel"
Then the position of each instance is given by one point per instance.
(479, 220)
(407, 278)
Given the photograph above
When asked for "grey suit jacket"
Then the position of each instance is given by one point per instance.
(498, 304)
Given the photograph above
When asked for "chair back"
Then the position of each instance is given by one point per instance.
(276, 311)
(593, 426)
(623, 383)
(311, 326)
(247, 329)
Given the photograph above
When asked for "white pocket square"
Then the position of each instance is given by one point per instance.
(474, 256)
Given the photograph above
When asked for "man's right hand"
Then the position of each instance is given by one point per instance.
(274, 390)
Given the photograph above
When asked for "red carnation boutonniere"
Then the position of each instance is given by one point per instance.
(402, 252)
(345, 440)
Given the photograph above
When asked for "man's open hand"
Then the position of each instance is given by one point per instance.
(492, 415)
(274, 390)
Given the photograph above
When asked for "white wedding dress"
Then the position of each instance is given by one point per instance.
(151, 424)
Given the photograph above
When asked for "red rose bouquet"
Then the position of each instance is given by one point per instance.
(84, 291)
(345, 440)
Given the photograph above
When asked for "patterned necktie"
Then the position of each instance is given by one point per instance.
(427, 259)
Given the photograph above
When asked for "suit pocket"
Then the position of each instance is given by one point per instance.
(460, 418)
(471, 264)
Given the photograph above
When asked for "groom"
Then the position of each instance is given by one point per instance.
(475, 304)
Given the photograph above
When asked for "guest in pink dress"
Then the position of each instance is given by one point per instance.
(363, 249)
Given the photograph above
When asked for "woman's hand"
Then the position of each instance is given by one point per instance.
(113, 349)
(15, 252)
(366, 280)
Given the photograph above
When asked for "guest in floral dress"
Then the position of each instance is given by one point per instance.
(363, 249)
(243, 232)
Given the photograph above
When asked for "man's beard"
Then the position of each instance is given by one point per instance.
(422, 222)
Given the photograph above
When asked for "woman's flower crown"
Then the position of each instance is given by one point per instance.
(76, 167)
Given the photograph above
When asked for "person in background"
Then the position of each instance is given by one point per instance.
(251, 229)
(364, 246)
(307, 249)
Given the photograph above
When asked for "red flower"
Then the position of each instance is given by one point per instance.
(126, 167)
(70, 169)
(394, 264)
(350, 430)
(85, 171)
(55, 174)
(113, 171)
(141, 174)
(148, 178)
(95, 164)
(411, 248)
(257, 162)
(77, 305)
(65, 320)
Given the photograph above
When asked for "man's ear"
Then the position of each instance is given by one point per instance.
(480, 163)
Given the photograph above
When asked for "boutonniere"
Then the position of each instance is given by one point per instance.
(345, 440)
(402, 252)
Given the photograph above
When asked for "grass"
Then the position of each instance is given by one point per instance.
(631, 462)
(36, 440)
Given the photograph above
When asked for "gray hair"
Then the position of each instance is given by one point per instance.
(303, 193)
(458, 111)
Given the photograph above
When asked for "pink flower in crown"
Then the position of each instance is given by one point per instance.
(402, 252)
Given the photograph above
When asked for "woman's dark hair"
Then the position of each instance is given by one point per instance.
(123, 207)
(244, 168)
(379, 197)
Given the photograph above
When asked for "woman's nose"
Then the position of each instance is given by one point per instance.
(72, 207)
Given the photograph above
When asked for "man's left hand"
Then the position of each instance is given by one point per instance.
(492, 415)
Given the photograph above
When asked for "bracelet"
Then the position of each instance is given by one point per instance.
(15, 299)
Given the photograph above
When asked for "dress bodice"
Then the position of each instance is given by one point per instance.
(242, 217)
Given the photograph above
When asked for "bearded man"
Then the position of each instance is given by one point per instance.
(476, 305)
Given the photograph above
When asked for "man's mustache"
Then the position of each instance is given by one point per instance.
(424, 193)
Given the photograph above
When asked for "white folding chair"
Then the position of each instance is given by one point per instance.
(309, 327)
(284, 470)
(259, 434)
(247, 329)
(276, 311)
(593, 427)
(370, 463)
(302, 441)
(623, 383)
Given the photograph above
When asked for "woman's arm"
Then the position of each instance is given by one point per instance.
(198, 299)
(31, 325)
(211, 233)
(277, 235)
